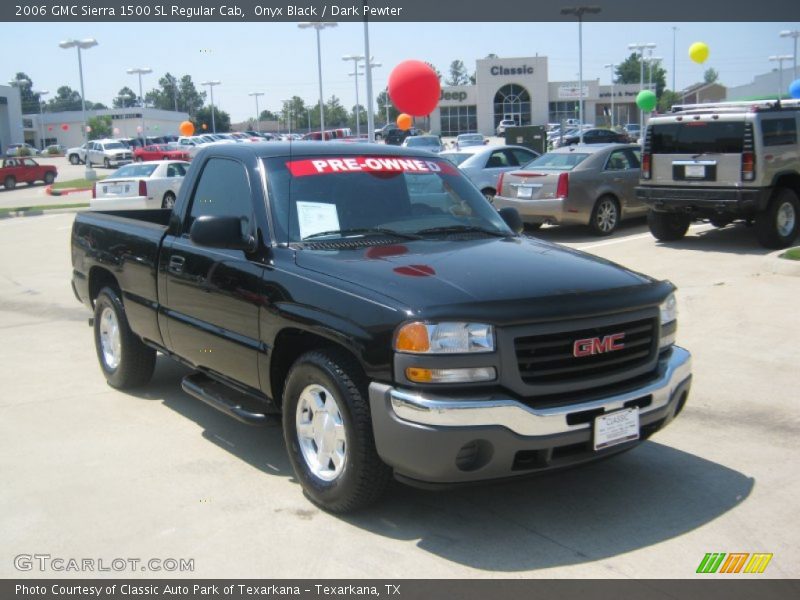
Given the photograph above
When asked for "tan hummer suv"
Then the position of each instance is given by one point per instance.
(724, 162)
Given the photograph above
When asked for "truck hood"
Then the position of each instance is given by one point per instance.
(428, 273)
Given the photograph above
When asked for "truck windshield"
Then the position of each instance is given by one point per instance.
(697, 137)
(334, 197)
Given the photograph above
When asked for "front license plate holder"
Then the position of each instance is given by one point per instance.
(615, 428)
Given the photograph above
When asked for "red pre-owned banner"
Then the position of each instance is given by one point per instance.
(367, 164)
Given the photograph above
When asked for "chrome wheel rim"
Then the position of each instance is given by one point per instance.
(169, 201)
(786, 219)
(606, 216)
(320, 432)
(110, 343)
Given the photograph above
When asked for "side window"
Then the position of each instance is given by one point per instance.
(618, 161)
(523, 157)
(175, 170)
(497, 159)
(635, 157)
(28, 162)
(223, 190)
(779, 132)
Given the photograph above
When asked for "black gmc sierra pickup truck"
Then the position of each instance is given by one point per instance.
(399, 324)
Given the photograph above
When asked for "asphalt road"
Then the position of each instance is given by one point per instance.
(90, 472)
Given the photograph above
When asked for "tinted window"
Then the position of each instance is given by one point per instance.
(779, 132)
(176, 170)
(694, 137)
(499, 158)
(522, 156)
(140, 170)
(620, 160)
(223, 190)
(561, 161)
(456, 157)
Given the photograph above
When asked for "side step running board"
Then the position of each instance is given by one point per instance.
(224, 399)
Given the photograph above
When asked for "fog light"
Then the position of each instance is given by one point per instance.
(420, 375)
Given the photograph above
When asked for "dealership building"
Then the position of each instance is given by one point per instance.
(10, 117)
(519, 89)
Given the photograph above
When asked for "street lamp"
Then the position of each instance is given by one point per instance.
(611, 66)
(84, 44)
(141, 71)
(792, 34)
(641, 48)
(650, 60)
(41, 93)
(779, 59)
(258, 114)
(319, 26)
(369, 66)
(579, 11)
(674, 40)
(355, 58)
(211, 85)
(362, 70)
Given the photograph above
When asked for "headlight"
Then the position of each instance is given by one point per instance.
(444, 338)
(669, 310)
(669, 322)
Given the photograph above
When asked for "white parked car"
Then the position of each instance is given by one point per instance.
(501, 128)
(153, 184)
(109, 153)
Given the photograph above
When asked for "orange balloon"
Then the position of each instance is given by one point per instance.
(404, 121)
(205, 126)
(186, 128)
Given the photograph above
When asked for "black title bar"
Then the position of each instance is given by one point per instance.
(238, 11)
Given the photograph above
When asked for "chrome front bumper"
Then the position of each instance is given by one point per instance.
(441, 411)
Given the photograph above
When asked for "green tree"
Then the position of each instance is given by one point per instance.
(125, 97)
(294, 108)
(667, 100)
(167, 96)
(457, 74)
(65, 99)
(335, 113)
(101, 127)
(222, 120)
(629, 71)
(435, 70)
(29, 100)
(362, 117)
(268, 115)
(710, 75)
(189, 99)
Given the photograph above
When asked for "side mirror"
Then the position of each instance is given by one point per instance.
(221, 232)
(510, 215)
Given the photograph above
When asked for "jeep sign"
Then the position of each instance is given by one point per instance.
(453, 96)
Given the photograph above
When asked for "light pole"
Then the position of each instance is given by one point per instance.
(258, 114)
(370, 65)
(674, 39)
(355, 58)
(611, 66)
(579, 11)
(779, 59)
(211, 85)
(650, 60)
(793, 34)
(141, 71)
(41, 115)
(319, 26)
(641, 48)
(82, 45)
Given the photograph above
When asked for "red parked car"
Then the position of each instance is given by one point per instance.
(160, 152)
(25, 170)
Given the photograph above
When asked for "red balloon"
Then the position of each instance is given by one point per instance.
(65, 127)
(414, 88)
(49, 128)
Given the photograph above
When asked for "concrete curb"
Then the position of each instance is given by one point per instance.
(51, 192)
(23, 212)
(783, 266)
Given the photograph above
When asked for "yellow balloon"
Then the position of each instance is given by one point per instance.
(698, 52)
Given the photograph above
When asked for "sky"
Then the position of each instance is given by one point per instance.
(280, 59)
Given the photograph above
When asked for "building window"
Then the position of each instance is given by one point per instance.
(561, 111)
(513, 102)
(458, 119)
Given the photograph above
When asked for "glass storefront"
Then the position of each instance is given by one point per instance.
(458, 119)
(513, 102)
(563, 110)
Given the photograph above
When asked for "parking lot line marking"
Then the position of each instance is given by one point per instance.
(637, 237)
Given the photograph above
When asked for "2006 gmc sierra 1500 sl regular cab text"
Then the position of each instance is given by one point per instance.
(374, 298)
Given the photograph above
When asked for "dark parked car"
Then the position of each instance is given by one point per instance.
(396, 136)
(371, 298)
(597, 136)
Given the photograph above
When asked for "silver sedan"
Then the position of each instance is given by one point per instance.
(589, 184)
(484, 164)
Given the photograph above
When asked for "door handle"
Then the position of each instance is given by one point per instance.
(176, 263)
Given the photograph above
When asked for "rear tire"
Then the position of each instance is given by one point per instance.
(605, 216)
(125, 361)
(777, 226)
(168, 201)
(489, 194)
(668, 226)
(49, 178)
(328, 432)
(10, 182)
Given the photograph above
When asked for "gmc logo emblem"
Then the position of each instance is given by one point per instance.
(596, 345)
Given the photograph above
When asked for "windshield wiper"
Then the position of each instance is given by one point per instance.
(460, 229)
(363, 231)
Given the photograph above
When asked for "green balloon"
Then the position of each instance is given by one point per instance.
(646, 100)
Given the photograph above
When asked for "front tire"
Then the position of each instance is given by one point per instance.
(49, 178)
(668, 226)
(125, 361)
(777, 226)
(328, 432)
(106, 163)
(10, 182)
(605, 216)
(74, 159)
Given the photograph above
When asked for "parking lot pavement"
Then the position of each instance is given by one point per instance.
(35, 195)
(93, 472)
